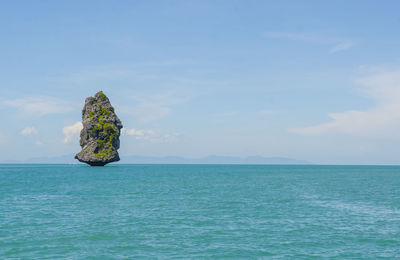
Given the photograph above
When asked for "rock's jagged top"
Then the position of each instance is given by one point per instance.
(100, 133)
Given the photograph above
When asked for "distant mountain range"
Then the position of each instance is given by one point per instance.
(137, 159)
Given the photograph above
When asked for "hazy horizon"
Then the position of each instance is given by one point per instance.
(313, 81)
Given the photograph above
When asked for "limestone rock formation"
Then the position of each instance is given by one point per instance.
(100, 133)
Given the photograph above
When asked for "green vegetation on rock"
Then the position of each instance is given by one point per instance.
(102, 95)
(109, 134)
(91, 114)
(93, 100)
(105, 112)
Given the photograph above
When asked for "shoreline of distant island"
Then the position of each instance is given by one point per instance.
(140, 159)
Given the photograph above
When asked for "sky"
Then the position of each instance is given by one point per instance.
(310, 80)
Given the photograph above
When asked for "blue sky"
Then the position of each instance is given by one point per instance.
(311, 80)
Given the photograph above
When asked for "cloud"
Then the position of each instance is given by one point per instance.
(72, 131)
(342, 46)
(338, 44)
(29, 131)
(382, 120)
(39, 106)
(149, 135)
(153, 107)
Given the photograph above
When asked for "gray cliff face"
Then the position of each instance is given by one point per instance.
(100, 133)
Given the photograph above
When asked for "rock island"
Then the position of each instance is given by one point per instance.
(100, 133)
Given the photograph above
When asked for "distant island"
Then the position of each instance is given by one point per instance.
(138, 159)
(211, 159)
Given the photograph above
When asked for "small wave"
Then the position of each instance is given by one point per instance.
(355, 207)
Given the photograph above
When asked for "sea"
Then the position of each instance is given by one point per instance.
(199, 212)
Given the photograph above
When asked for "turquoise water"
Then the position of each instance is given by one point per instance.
(199, 211)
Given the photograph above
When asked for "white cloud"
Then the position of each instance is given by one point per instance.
(29, 131)
(38, 106)
(137, 133)
(339, 44)
(149, 135)
(382, 120)
(71, 132)
(38, 142)
(342, 46)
